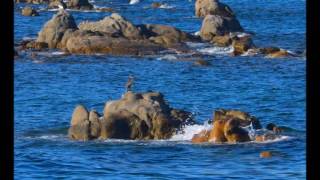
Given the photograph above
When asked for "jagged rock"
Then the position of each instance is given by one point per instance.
(156, 5)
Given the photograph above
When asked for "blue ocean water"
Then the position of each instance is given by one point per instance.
(48, 87)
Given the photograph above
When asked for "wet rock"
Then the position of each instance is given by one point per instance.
(54, 29)
(156, 5)
(36, 45)
(201, 137)
(274, 52)
(222, 41)
(29, 11)
(105, 9)
(114, 25)
(201, 62)
(274, 128)
(234, 132)
(213, 25)
(54, 4)
(212, 7)
(80, 114)
(265, 154)
(140, 116)
(242, 45)
(79, 4)
(245, 118)
(266, 137)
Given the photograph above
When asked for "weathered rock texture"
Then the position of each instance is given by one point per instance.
(134, 116)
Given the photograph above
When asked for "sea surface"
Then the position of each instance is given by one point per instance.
(49, 86)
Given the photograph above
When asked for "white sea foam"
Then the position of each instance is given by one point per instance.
(166, 6)
(197, 33)
(216, 50)
(134, 1)
(167, 57)
(189, 131)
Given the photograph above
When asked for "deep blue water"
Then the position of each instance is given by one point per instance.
(47, 89)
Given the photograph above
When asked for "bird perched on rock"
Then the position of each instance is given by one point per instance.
(129, 83)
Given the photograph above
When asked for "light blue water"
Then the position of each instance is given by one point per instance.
(47, 90)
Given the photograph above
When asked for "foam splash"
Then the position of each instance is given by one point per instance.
(166, 6)
(189, 131)
(216, 50)
(167, 57)
(134, 1)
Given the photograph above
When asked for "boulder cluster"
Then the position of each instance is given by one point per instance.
(134, 116)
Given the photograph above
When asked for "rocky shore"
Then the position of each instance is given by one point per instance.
(116, 35)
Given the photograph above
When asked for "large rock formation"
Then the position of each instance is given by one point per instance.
(53, 31)
(113, 35)
(134, 116)
(212, 7)
(215, 25)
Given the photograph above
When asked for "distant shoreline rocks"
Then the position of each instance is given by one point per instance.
(116, 35)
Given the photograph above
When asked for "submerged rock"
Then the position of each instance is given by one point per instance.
(156, 5)
(265, 154)
(274, 52)
(29, 11)
(134, 116)
(213, 25)
(201, 62)
(212, 7)
(53, 31)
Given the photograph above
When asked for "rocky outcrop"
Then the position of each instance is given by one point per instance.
(79, 4)
(112, 35)
(228, 127)
(212, 7)
(53, 31)
(214, 25)
(134, 116)
(29, 11)
(156, 4)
